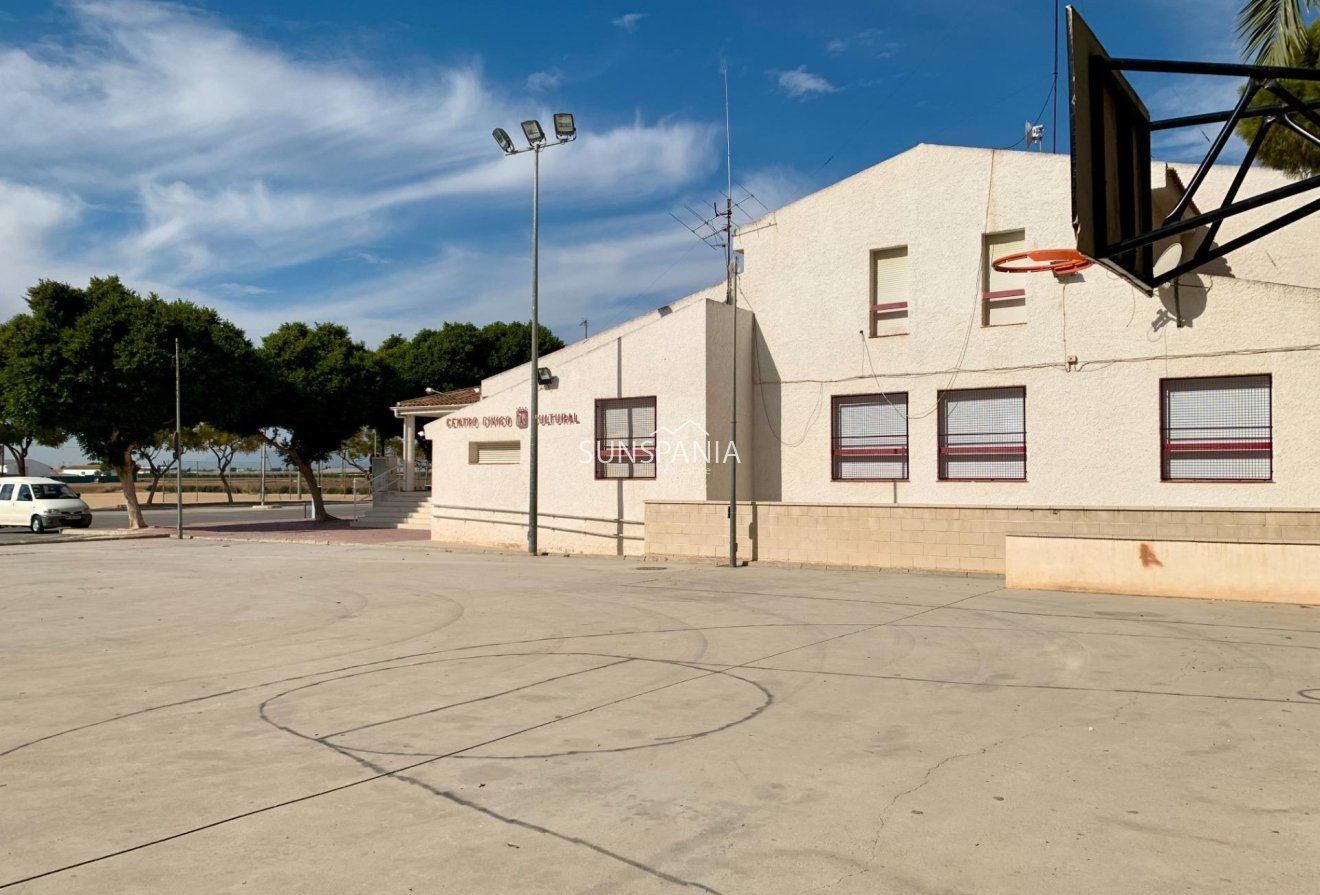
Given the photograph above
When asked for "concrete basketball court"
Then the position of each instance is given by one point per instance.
(216, 716)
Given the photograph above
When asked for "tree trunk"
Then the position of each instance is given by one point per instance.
(308, 474)
(155, 483)
(129, 487)
(224, 480)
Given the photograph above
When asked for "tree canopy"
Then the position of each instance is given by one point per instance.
(1283, 149)
(1273, 31)
(322, 387)
(98, 363)
(461, 354)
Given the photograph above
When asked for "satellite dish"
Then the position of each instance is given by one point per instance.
(1168, 260)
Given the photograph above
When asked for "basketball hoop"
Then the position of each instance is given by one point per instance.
(1060, 262)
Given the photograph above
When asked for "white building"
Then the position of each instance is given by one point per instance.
(900, 404)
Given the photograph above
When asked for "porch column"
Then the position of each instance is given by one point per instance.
(409, 452)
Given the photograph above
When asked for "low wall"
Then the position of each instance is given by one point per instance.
(555, 533)
(1229, 570)
(936, 538)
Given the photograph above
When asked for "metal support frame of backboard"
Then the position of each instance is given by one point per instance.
(1114, 145)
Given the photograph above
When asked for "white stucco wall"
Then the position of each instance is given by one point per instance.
(662, 354)
(1093, 430)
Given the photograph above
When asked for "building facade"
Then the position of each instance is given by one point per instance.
(902, 404)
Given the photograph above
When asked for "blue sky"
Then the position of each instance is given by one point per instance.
(332, 160)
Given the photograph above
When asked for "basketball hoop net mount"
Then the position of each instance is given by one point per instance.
(1060, 262)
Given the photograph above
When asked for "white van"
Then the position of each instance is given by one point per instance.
(41, 504)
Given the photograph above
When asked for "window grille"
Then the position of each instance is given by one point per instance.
(625, 438)
(983, 434)
(1217, 429)
(869, 441)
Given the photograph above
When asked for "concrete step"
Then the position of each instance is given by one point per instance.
(395, 509)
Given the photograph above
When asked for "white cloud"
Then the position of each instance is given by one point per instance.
(243, 289)
(800, 83)
(629, 22)
(221, 159)
(870, 41)
(550, 79)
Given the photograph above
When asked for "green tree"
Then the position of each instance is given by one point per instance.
(460, 354)
(510, 344)
(159, 457)
(323, 388)
(101, 361)
(224, 446)
(1283, 149)
(358, 449)
(21, 392)
(1273, 31)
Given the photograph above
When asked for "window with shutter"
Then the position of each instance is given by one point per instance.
(495, 453)
(891, 291)
(983, 434)
(625, 438)
(870, 438)
(1004, 300)
(1217, 429)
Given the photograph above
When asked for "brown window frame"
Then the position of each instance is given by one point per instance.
(834, 437)
(942, 449)
(601, 405)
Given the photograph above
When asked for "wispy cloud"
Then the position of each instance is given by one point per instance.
(801, 84)
(630, 21)
(539, 81)
(243, 289)
(149, 142)
(872, 41)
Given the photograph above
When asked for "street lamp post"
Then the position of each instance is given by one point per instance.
(565, 132)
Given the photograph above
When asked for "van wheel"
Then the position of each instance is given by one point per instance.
(37, 525)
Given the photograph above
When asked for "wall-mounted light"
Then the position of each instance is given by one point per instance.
(544, 376)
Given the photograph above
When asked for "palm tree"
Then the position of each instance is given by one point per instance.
(1273, 31)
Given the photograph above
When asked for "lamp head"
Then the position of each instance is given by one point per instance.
(532, 128)
(502, 138)
(565, 129)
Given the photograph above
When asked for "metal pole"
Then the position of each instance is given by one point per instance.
(1054, 128)
(178, 442)
(263, 473)
(732, 298)
(533, 442)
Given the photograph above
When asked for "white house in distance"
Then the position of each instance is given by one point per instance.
(900, 404)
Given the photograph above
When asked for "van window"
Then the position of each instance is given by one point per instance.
(6, 492)
(24, 493)
(54, 492)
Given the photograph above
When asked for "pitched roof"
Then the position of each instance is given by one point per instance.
(455, 398)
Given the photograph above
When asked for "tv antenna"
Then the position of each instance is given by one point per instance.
(1034, 134)
(585, 332)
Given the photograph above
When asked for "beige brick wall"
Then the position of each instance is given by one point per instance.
(935, 538)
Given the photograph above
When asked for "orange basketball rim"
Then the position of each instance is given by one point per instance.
(1059, 262)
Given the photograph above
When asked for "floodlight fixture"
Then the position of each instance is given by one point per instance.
(544, 376)
(565, 129)
(532, 128)
(502, 138)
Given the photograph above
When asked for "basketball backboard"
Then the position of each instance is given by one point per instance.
(1120, 220)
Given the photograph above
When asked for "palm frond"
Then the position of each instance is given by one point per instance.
(1272, 31)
